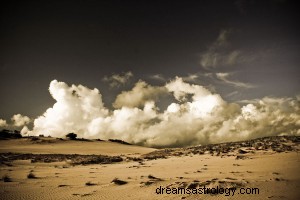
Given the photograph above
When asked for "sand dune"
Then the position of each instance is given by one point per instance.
(46, 145)
(269, 164)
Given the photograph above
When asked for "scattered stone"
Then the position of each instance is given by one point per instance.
(193, 185)
(62, 185)
(119, 182)
(90, 184)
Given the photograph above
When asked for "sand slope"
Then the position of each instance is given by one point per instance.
(276, 175)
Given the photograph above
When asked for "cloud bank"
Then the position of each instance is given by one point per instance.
(194, 116)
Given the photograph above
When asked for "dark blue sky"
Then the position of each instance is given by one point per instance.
(240, 49)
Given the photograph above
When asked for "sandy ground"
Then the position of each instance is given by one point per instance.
(276, 175)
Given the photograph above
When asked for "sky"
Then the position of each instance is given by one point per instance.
(147, 59)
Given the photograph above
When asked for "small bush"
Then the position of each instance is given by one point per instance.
(34, 138)
(31, 175)
(71, 136)
(135, 159)
(153, 177)
(6, 178)
(5, 134)
(119, 141)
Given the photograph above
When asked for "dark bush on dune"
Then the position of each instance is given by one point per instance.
(6, 134)
(33, 138)
(6, 178)
(76, 159)
(119, 141)
(71, 136)
(97, 159)
(31, 176)
(135, 159)
(83, 139)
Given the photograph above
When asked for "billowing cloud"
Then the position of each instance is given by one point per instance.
(139, 95)
(181, 90)
(3, 123)
(75, 108)
(194, 116)
(17, 122)
(24, 130)
(20, 120)
(116, 80)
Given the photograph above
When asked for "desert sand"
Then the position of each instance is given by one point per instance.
(49, 168)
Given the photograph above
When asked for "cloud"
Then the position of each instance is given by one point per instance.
(17, 122)
(225, 78)
(158, 77)
(194, 116)
(191, 77)
(232, 93)
(3, 123)
(219, 53)
(213, 58)
(116, 80)
(139, 95)
(20, 120)
(222, 39)
(181, 89)
(74, 107)
(24, 130)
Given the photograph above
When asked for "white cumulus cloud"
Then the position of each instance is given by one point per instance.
(194, 116)
(3, 123)
(139, 95)
(20, 120)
